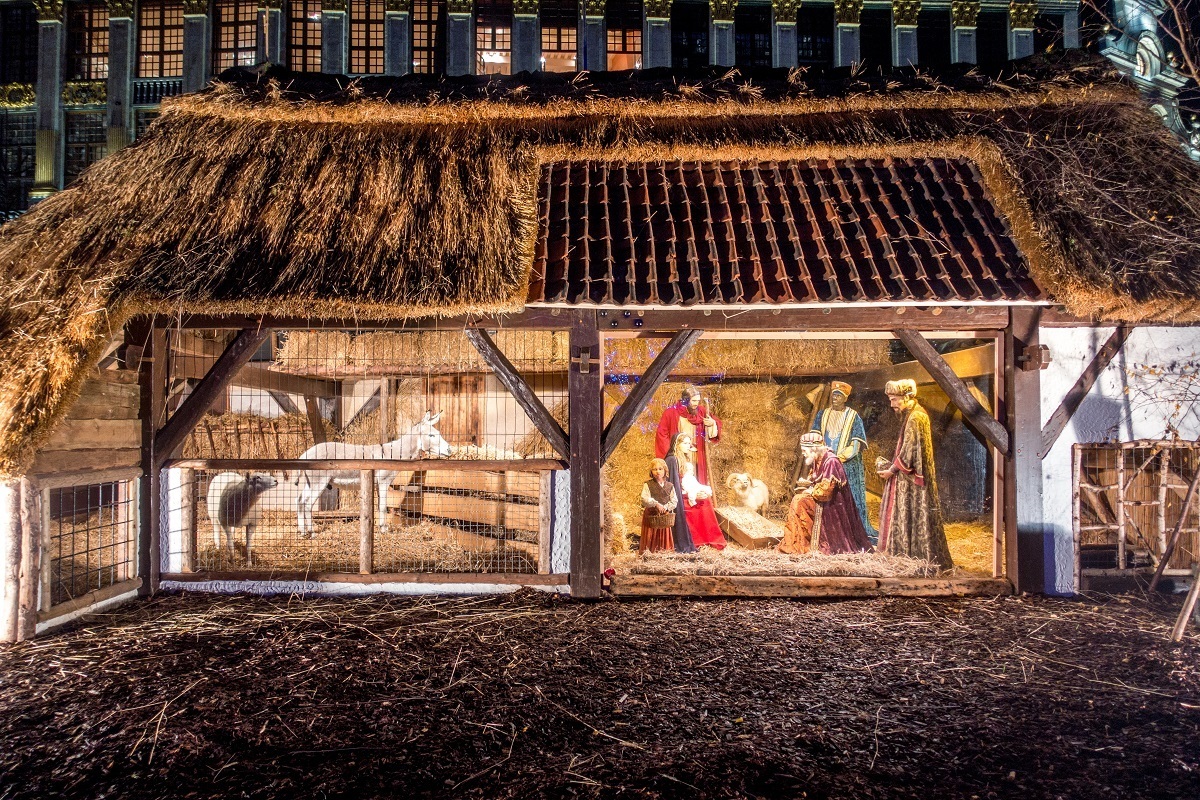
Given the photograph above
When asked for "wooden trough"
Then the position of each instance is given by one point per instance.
(749, 528)
(503, 500)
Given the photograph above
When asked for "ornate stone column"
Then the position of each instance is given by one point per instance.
(271, 31)
(1021, 18)
(397, 37)
(460, 37)
(847, 38)
(48, 161)
(122, 47)
(656, 34)
(720, 33)
(905, 14)
(526, 36)
(783, 33)
(335, 37)
(592, 53)
(196, 27)
(964, 17)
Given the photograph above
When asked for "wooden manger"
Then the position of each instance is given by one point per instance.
(749, 528)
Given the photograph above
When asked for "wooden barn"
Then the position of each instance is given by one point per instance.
(426, 331)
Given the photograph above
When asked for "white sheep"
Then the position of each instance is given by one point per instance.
(232, 502)
(751, 492)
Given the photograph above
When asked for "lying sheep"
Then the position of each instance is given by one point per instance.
(751, 492)
(232, 502)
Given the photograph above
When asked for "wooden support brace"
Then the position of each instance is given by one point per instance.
(525, 397)
(1074, 398)
(955, 389)
(286, 405)
(1174, 541)
(313, 409)
(641, 395)
(587, 426)
(239, 351)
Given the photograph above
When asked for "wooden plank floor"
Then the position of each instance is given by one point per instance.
(802, 586)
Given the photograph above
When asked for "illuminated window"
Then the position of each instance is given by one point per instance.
(493, 37)
(304, 35)
(366, 36)
(428, 36)
(560, 25)
(87, 42)
(623, 19)
(160, 39)
(235, 34)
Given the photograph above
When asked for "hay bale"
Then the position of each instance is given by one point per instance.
(313, 352)
(734, 560)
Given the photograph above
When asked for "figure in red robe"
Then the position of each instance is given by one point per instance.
(823, 517)
(689, 416)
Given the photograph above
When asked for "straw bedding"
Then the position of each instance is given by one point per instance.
(394, 199)
(734, 560)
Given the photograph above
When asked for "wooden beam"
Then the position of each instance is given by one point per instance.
(585, 386)
(313, 409)
(284, 401)
(1169, 550)
(240, 350)
(251, 377)
(641, 395)
(974, 362)
(1025, 529)
(953, 386)
(624, 585)
(525, 397)
(1075, 396)
(433, 578)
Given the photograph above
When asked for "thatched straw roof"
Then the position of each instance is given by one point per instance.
(310, 196)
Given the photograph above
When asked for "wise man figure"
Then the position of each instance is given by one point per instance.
(910, 515)
(690, 417)
(822, 518)
(844, 433)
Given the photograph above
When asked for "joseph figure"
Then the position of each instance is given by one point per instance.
(844, 433)
(688, 417)
(910, 515)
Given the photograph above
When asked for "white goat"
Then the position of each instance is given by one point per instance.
(421, 438)
(232, 503)
(751, 492)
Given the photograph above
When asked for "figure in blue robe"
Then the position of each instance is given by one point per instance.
(845, 435)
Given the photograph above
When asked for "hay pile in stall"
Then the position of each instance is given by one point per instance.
(307, 195)
(248, 436)
(734, 560)
(752, 357)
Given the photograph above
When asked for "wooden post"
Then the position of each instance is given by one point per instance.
(545, 522)
(1025, 533)
(366, 521)
(585, 384)
(1189, 606)
(150, 561)
(10, 560)
(31, 558)
(385, 409)
(313, 409)
(48, 554)
(187, 517)
(1121, 532)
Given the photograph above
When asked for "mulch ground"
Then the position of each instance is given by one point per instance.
(535, 696)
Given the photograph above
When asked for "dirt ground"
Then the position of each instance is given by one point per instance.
(537, 696)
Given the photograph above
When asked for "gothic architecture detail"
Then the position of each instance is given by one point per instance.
(1021, 16)
(195, 8)
(906, 12)
(459, 6)
(722, 10)
(49, 10)
(526, 7)
(120, 8)
(785, 10)
(591, 8)
(964, 13)
(399, 6)
(333, 5)
(658, 9)
(847, 12)
(85, 93)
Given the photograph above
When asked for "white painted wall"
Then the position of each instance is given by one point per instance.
(1151, 390)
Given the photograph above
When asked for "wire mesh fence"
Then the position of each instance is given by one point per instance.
(356, 521)
(307, 387)
(91, 530)
(1129, 499)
